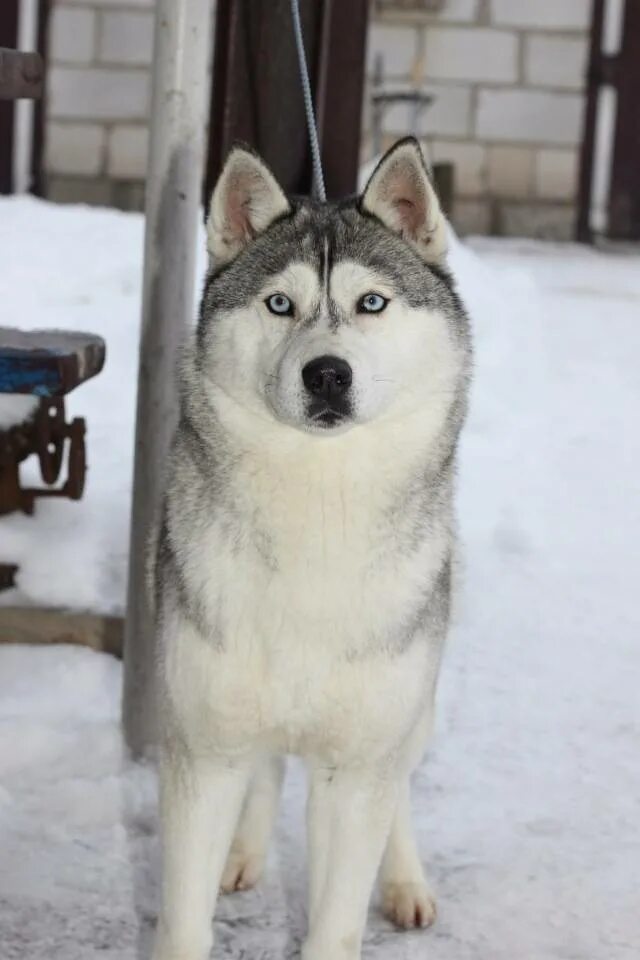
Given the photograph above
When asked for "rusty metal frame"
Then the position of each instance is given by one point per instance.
(46, 436)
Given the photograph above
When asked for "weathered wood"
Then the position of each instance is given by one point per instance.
(39, 108)
(36, 625)
(47, 363)
(584, 232)
(619, 70)
(8, 38)
(21, 75)
(624, 199)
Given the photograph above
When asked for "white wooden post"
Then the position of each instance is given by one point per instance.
(183, 33)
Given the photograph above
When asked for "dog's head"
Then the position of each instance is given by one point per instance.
(323, 316)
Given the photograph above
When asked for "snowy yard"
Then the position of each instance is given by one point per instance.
(529, 801)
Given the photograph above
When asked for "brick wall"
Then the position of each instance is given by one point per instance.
(98, 100)
(506, 76)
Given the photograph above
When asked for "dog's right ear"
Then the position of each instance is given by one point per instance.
(400, 194)
(246, 199)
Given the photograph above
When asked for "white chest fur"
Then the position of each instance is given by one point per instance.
(309, 574)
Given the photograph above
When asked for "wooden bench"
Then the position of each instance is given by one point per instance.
(47, 365)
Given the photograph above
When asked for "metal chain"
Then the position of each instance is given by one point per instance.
(318, 177)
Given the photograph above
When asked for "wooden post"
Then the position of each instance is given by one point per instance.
(616, 70)
(584, 232)
(8, 39)
(174, 178)
(624, 199)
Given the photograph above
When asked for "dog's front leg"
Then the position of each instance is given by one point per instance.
(350, 813)
(200, 800)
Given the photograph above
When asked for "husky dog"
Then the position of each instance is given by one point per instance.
(304, 554)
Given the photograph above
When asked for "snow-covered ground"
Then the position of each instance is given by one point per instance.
(529, 801)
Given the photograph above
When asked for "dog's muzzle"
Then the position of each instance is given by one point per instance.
(328, 380)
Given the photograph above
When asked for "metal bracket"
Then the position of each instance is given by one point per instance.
(45, 435)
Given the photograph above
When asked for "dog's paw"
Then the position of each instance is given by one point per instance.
(242, 871)
(408, 905)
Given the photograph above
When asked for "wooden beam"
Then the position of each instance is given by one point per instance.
(8, 38)
(624, 198)
(39, 111)
(36, 625)
(584, 232)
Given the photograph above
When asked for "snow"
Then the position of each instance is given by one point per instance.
(77, 268)
(15, 409)
(529, 801)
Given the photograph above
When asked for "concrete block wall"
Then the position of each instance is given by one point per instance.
(508, 78)
(98, 101)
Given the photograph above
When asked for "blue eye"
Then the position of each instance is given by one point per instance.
(280, 305)
(372, 303)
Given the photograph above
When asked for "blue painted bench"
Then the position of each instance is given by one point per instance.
(45, 365)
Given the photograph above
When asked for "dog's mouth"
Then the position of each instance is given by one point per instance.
(327, 415)
(330, 418)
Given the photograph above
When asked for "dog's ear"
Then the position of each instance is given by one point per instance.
(246, 199)
(400, 194)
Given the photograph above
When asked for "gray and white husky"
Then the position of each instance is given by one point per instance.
(304, 555)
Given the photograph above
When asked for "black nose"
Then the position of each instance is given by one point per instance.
(327, 377)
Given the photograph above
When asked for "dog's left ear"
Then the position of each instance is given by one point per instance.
(400, 194)
(246, 200)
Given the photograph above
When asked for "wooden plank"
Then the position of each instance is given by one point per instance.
(39, 111)
(47, 363)
(584, 232)
(36, 625)
(8, 38)
(21, 75)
